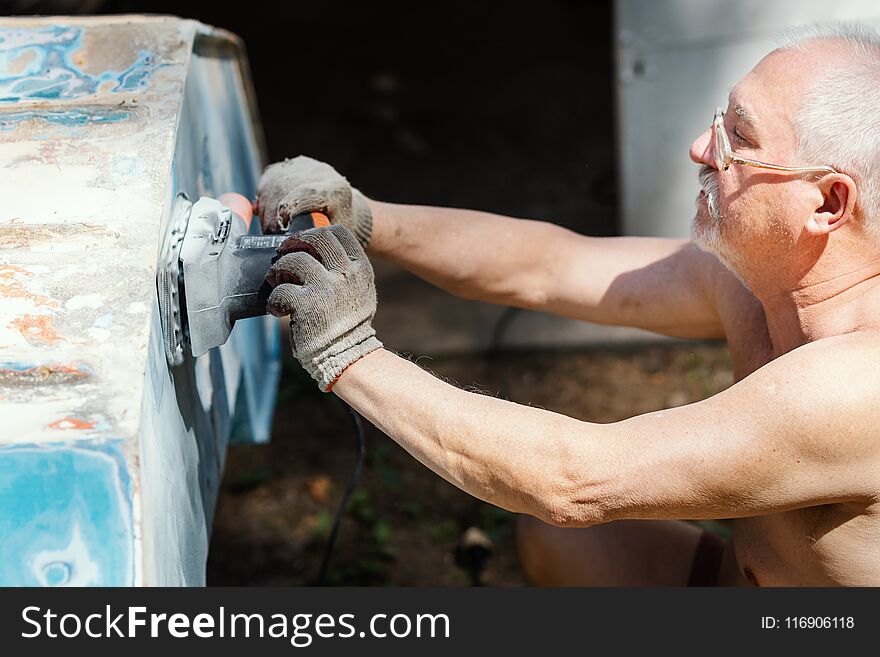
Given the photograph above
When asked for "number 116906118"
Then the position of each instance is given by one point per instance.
(808, 623)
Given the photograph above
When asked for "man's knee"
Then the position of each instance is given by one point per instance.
(620, 553)
(534, 544)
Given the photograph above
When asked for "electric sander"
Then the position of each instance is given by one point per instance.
(212, 271)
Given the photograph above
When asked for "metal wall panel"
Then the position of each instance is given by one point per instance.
(676, 62)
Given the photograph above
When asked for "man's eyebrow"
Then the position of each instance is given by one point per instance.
(745, 115)
(743, 112)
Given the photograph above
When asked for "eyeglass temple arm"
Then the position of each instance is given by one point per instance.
(778, 167)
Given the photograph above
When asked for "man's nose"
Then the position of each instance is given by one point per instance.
(701, 149)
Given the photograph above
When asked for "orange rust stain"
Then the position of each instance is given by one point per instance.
(16, 291)
(36, 328)
(9, 271)
(65, 369)
(72, 423)
(13, 289)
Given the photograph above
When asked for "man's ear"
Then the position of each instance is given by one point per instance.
(838, 202)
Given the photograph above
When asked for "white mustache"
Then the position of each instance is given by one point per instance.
(709, 184)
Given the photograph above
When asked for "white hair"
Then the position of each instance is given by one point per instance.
(839, 121)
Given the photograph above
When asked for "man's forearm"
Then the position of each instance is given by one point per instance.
(472, 254)
(510, 455)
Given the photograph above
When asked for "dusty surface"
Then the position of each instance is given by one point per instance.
(277, 502)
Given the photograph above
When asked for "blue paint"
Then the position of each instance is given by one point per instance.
(50, 72)
(66, 515)
(135, 76)
(25, 365)
(67, 118)
(258, 341)
(57, 573)
(105, 321)
(123, 167)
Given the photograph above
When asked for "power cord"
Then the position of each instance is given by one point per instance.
(355, 477)
(495, 348)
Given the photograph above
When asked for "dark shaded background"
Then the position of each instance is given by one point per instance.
(500, 106)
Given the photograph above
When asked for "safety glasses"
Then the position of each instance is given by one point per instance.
(724, 155)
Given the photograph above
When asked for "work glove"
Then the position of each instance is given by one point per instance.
(301, 185)
(325, 282)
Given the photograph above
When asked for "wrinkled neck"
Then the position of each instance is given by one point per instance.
(832, 306)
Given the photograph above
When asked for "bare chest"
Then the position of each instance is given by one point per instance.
(829, 545)
(833, 544)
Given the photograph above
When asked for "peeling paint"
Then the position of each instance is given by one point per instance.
(20, 375)
(115, 454)
(67, 423)
(9, 271)
(105, 321)
(36, 329)
(39, 63)
(16, 290)
(67, 118)
(73, 528)
(93, 300)
(15, 234)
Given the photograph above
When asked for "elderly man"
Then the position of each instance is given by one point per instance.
(784, 266)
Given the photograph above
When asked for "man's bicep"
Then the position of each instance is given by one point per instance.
(657, 284)
(791, 435)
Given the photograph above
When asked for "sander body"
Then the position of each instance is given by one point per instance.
(213, 271)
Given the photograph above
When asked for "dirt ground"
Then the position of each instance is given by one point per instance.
(403, 524)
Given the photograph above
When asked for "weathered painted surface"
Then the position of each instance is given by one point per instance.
(40, 63)
(109, 462)
(72, 520)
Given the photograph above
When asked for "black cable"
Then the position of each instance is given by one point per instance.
(355, 477)
(495, 349)
(499, 329)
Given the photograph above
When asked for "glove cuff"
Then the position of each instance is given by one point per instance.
(327, 366)
(363, 218)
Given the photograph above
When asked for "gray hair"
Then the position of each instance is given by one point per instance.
(839, 122)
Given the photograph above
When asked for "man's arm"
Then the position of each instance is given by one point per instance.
(662, 285)
(790, 435)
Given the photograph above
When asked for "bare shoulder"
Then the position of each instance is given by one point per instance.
(852, 359)
(739, 312)
(797, 432)
(827, 393)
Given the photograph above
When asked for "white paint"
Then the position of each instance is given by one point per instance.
(104, 321)
(231, 372)
(99, 335)
(203, 381)
(24, 420)
(80, 301)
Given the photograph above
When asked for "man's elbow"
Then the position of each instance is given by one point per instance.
(576, 505)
